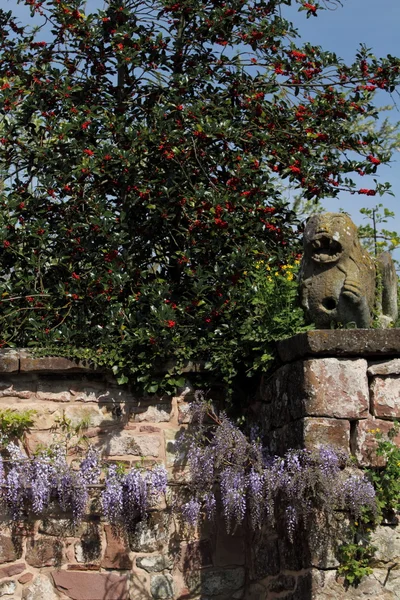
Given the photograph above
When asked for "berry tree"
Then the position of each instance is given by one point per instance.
(142, 153)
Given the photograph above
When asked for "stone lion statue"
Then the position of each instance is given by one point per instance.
(340, 283)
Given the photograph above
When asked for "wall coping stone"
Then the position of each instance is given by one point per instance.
(21, 360)
(341, 342)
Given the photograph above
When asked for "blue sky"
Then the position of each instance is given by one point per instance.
(376, 24)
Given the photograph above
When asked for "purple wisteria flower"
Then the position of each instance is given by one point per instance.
(90, 468)
(111, 497)
(191, 512)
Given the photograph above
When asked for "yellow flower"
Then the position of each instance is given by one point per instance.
(289, 276)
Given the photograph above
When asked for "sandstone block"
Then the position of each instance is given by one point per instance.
(385, 397)
(88, 586)
(364, 441)
(63, 390)
(264, 557)
(175, 452)
(161, 587)
(126, 442)
(7, 588)
(336, 388)
(386, 539)
(61, 528)
(213, 582)
(150, 535)
(229, 548)
(184, 413)
(256, 591)
(156, 413)
(10, 550)
(282, 583)
(18, 387)
(44, 552)
(117, 554)
(320, 387)
(309, 433)
(40, 589)
(195, 555)
(326, 585)
(341, 342)
(154, 563)
(384, 367)
(88, 548)
(12, 570)
(326, 432)
(25, 578)
(29, 362)
(9, 361)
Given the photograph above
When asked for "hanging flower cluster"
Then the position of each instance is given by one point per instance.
(126, 497)
(224, 462)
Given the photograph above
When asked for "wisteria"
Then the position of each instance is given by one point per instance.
(127, 497)
(265, 488)
(32, 485)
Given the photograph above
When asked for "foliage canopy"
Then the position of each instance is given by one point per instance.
(142, 153)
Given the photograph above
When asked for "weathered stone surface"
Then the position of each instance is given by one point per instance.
(364, 444)
(17, 387)
(87, 551)
(61, 528)
(9, 361)
(385, 397)
(390, 579)
(341, 342)
(91, 586)
(229, 548)
(154, 563)
(175, 452)
(309, 433)
(117, 554)
(326, 585)
(336, 388)
(126, 442)
(40, 589)
(386, 539)
(282, 583)
(60, 364)
(44, 552)
(162, 586)
(320, 387)
(25, 578)
(150, 535)
(7, 588)
(384, 367)
(93, 415)
(213, 582)
(154, 413)
(195, 555)
(9, 550)
(337, 275)
(12, 570)
(57, 389)
(326, 432)
(265, 557)
(256, 591)
(84, 567)
(184, 412)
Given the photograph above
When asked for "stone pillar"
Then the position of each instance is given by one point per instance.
(335, 388)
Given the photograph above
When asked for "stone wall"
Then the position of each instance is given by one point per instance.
(332, 388)
(49, 559)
